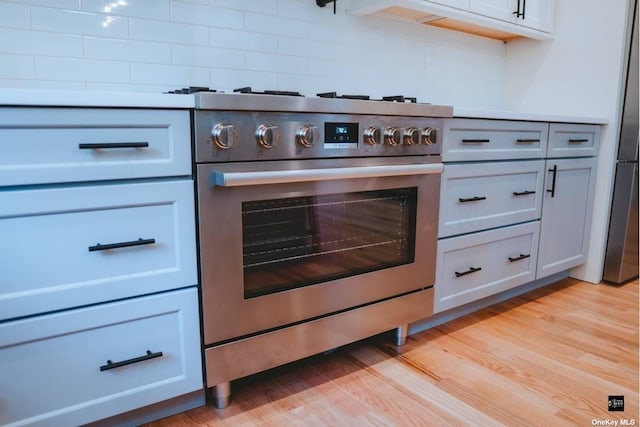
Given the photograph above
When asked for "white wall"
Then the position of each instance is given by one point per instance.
(577, 73)
(159, 45)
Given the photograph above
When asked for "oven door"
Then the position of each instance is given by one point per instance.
(283, 242)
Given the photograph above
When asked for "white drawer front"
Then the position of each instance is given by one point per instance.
(482, 196)
(482, 264)
(50, 365)
(473, 139)
(43, 145)
(572, 140)
(46, 236)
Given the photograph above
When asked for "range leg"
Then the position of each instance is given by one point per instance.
(222, 395)
(401, 335)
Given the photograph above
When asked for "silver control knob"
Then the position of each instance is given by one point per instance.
(371, 135)
(224, 135)
(267, 135)
(411, 136)
(306, 135)
(392, 136)
(429, 136)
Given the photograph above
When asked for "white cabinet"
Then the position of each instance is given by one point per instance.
(72, 246)
(535, 14)
(97, 226)
(497, 19)
(478, 265)
(480, 196)
(537, 204)
(566, 214)
(476, 139)
(82, 365)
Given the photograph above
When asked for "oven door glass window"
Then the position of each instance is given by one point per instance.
(300, 241)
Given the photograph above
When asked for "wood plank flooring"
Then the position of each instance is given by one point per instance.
(548, 358)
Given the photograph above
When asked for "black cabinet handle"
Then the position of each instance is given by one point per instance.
(139, 242)
(527, 140)
(524, 8)
(475, 141)
(523, 193)
(113, 145)
(472, 199)
(578, 141)
(553, 181)
(518, 258)
(113, 365)
(469, 271)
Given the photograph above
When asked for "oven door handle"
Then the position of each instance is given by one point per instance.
(237, 179)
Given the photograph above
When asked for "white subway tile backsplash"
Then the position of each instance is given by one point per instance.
(40, 84)
(14, 15)
(126, 50)
(275, 25)
(59, 4)
(296, 10)
(259, 6)
(243, 40)
(207, 56)
(276, 63)
(159, 45)
(74, 22)
(228, 80)
(172, 75)
(154, 9)
(207, 15)
(169, 32)
(40, 43)
(83, 70)
(16, 66)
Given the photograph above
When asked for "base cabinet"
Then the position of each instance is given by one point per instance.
(566, 214)
(83, 365)
(478, 265)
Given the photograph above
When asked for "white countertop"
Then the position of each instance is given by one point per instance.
(512, 115)
(79, 98)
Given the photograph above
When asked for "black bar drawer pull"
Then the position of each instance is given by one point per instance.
(523, 193)
(469, 271)
(578, 141)
(527, 140)
(139, 242)
(475, 141)
(518, 258)
(100, 145)
(113, 365)
(553, 181)
(472, 199)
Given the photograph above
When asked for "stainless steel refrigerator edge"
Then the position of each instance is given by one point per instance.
(621, 259)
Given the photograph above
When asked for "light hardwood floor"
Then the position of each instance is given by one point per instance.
(548, 358)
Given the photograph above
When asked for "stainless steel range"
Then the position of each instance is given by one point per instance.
(317, 223)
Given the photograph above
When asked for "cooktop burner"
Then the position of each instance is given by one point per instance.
(248, 89)
(333, 95)
(396, 98)
(192, 89)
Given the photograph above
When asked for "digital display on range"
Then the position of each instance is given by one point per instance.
(341, 133)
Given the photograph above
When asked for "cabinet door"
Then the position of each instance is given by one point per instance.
(458, 4)
(74, 367)
(566, 214)
(538, 14)
(499, 9)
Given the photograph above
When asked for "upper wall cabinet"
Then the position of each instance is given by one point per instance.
(497, 19)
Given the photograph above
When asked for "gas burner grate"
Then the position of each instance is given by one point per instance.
(335, 95)
(400, 98)
(192, 89)
(248, 89)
